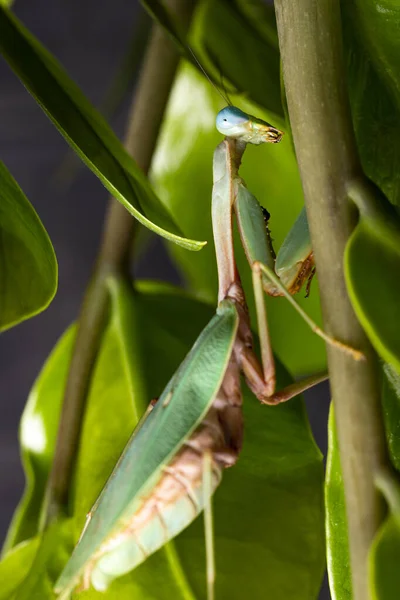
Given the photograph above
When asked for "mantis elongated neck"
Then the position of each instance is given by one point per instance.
(227, 159)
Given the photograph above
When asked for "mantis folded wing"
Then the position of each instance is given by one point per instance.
(149, 498)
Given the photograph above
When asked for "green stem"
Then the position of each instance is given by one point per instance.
(310, 41)
(146, 114)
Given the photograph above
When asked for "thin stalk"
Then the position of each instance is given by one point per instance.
(145, 118)
(311, 48)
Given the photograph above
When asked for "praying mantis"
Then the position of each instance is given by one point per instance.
(175, 458)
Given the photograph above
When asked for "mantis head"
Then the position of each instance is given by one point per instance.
(232, 122)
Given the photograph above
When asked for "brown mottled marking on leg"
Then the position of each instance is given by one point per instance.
(304, 273)
(185, 484)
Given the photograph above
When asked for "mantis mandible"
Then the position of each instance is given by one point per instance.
(157, 489)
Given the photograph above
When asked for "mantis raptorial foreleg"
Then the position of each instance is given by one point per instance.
(230, 195)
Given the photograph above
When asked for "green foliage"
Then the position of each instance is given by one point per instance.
(373, 252)
(251, 66)
(384, 561)
(276, 482)
(268, 511)
(28, 273)
(372, 265)
(337, 544)
(84, 128)
(385, 549)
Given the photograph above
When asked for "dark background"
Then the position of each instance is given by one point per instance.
(91, 39)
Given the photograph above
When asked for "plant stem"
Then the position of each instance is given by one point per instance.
(145, 118)
(310, 42)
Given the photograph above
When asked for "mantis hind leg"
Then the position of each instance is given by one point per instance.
(261, 270)
(261, 378)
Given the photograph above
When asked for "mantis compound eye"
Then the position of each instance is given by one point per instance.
(230, 119)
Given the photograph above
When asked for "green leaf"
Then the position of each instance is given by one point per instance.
(239, 38)
(251, 66)
(52, 551)
(385, 549)
(38, 430)
(336, 521)
(384, 561)
(370, 31)
(276, 483)
(84, 128)
(391, 412)
(15, 567)
(28, 272)
(372, 266)
(271, 173)
(378, 25)
(261, 551)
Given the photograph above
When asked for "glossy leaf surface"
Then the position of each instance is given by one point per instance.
(181, 407)
(337, 543)
(378, 24)
(375, 108)
(384, 561)
(277, 481)
(38, 430)
(251, 65)
(372, 265)
(28, 269)
(182, 173)
(84, 128)
(15, 567)
(385, 550)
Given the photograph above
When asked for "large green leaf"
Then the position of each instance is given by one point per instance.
(372, 266)
(268, 512)
(84, 128)
(337, 543)
(386, 546)
(182, 173)
(276, 484)
(15, 567)
(378, 23)
(373, 253)
(385, 550)
(38, 430)
(391, 412)
(52, 551)
(239, 38)
(371, 31)
(384, 561)
(28, 267)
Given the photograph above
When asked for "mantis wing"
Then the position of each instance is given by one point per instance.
(181, 407)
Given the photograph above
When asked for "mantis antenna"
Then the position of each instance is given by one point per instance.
(223, 96)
